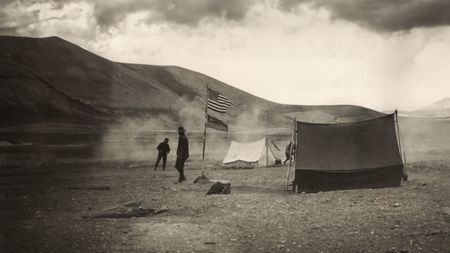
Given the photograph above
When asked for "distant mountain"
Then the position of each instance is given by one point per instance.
(440, 108)
(439, 105)
(51, 80)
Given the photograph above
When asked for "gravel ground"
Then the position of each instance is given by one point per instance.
(39, 214)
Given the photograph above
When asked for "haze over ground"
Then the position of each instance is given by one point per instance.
(378, 54)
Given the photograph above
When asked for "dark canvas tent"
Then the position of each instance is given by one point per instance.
(361, 154)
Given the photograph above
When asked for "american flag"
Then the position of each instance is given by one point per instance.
(217, 102)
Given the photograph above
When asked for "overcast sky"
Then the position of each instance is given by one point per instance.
(381, 54)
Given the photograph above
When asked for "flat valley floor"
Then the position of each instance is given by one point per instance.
(41, 213)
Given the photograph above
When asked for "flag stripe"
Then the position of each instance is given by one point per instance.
(221, 105)
(223, 97)
(211, 104)
(224, 102)
(221, 100)
(217, 110)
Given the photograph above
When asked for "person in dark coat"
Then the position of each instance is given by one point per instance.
(182, 153)
(288, 151)
(163, 149)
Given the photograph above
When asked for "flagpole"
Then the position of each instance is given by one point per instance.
(204, 131)
(267, 142)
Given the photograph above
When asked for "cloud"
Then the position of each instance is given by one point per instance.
(71, 19)
(12, 18)
(110, 13)
(185, 12)
(18, 16)
(375, 15)
(382, 15)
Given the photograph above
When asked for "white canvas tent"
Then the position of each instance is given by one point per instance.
(252, 154)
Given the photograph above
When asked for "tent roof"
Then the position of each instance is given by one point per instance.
(347, 146)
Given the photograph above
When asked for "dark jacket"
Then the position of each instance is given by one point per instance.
(183, 147)
(163, 148)
(288, 150)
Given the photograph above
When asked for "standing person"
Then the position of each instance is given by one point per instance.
(182, 153)
(287, 152)
(163, 149)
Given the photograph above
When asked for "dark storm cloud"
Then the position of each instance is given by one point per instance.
(30, 2)
(10, 24)
(383, 15)
(186, 12)
(14, 17)
(9, 30)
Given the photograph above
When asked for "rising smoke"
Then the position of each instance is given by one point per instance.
(135, 139)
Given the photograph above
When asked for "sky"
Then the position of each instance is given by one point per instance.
(381, 54)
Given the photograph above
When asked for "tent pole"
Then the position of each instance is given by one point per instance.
(399, 137)
(290, 152)
(265, 133)
(402, 153)
(294, 148)
(204, 131)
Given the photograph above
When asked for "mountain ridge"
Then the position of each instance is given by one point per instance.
(52, 80)
(438, 109)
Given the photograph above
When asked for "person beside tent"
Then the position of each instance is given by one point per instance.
(288, 152)
(182, 153)
(163, 150)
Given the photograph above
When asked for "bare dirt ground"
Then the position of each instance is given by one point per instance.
(39, 214)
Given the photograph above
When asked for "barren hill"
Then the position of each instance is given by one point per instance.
(440, 108)
(46, 80)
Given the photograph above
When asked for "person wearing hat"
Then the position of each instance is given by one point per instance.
(163, 149)
(182, 153)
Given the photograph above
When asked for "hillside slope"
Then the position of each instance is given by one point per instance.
(52, 80)
(440, 108)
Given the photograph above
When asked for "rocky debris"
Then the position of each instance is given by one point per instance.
(220, 187)
(100, 188)
(201, 180)
(126, 210)
(259, 216)
(394, 250)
